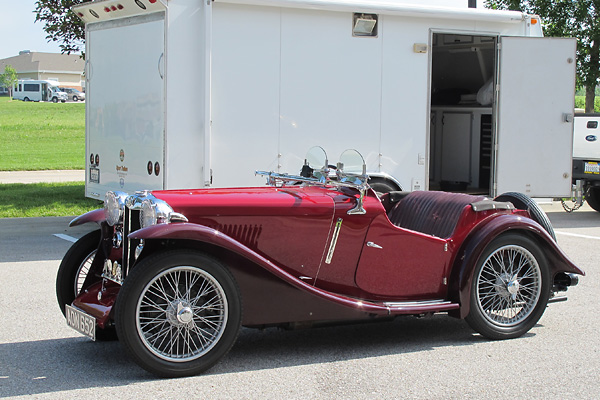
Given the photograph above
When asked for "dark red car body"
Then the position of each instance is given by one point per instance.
(275, 241)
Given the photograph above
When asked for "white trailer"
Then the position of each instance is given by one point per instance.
(36, 90)
(190, 93)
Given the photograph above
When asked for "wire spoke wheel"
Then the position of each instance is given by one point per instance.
(82, 272)
(510, 289)
(181, 314)
(178, 312)
(509, 285)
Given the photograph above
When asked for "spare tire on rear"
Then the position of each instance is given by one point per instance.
(524, 202)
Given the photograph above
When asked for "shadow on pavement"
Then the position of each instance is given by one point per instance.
(32, 368)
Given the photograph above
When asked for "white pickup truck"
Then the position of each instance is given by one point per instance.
(586, 157)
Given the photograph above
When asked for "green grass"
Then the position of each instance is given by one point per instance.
(44, 200)
(580, 103)
(41, 136)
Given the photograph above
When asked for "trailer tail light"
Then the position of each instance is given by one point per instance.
(152, 1)
(120, 6)
(106, 9)
(113, 8)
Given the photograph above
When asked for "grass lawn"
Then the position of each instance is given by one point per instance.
(44, 200)
(40, 136)
(580, 103)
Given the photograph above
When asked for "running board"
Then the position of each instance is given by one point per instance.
(420, 307)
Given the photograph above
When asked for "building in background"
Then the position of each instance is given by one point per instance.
(66, 69)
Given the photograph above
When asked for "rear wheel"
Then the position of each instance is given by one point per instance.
(593, 198)
(510, 289)
(525, 202)
(178, 313)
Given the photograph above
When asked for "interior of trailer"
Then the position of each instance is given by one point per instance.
(462, 103)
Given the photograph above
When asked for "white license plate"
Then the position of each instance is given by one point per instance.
(81, 322)
(592, 168)
(94, 175)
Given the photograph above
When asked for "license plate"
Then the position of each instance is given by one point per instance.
(81, 322)
(94, 175)
(592, 168)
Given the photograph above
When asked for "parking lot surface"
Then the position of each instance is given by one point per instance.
(410, 358)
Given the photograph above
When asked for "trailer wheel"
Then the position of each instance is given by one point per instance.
(525, 202)
(593, 198)
(381, 186)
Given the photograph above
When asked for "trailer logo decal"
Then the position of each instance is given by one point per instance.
(591, 138)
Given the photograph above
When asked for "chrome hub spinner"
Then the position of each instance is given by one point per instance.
(179, 313)
(507, 286)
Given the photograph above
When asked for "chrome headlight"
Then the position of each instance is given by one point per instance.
(155, 211)
(114, 207)
(148, 214)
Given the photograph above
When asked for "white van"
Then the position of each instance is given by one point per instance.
(34, 90)
(209, 91)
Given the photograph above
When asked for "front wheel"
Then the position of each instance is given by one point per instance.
(178, 313)
(74, 268)
(55, 100)
(510, 289)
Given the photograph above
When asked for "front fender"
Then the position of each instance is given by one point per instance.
(482, 235)
(201, 233)
(96, 216)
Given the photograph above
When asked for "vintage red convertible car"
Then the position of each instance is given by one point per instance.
(176, 273)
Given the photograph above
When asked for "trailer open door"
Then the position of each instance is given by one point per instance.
(534, 135)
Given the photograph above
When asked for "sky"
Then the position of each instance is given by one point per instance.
(19, 31)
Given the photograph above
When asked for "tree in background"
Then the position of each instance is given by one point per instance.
(569, 18)
(9, 79)
(61, 24)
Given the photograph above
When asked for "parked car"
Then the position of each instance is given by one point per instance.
(176, 273)
(73, 94)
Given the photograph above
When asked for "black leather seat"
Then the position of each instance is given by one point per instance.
(432, 213)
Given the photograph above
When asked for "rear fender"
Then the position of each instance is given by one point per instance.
(481, 236)
(204, 234)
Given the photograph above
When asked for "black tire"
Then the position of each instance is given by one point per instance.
(75, 98)
(593, 198)
(509, 294)
(62, 101)
(72, 273)
(26, 99)
(524, 202)
(74, 268)
(55, 100)
(381, 186)
(151, 315)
